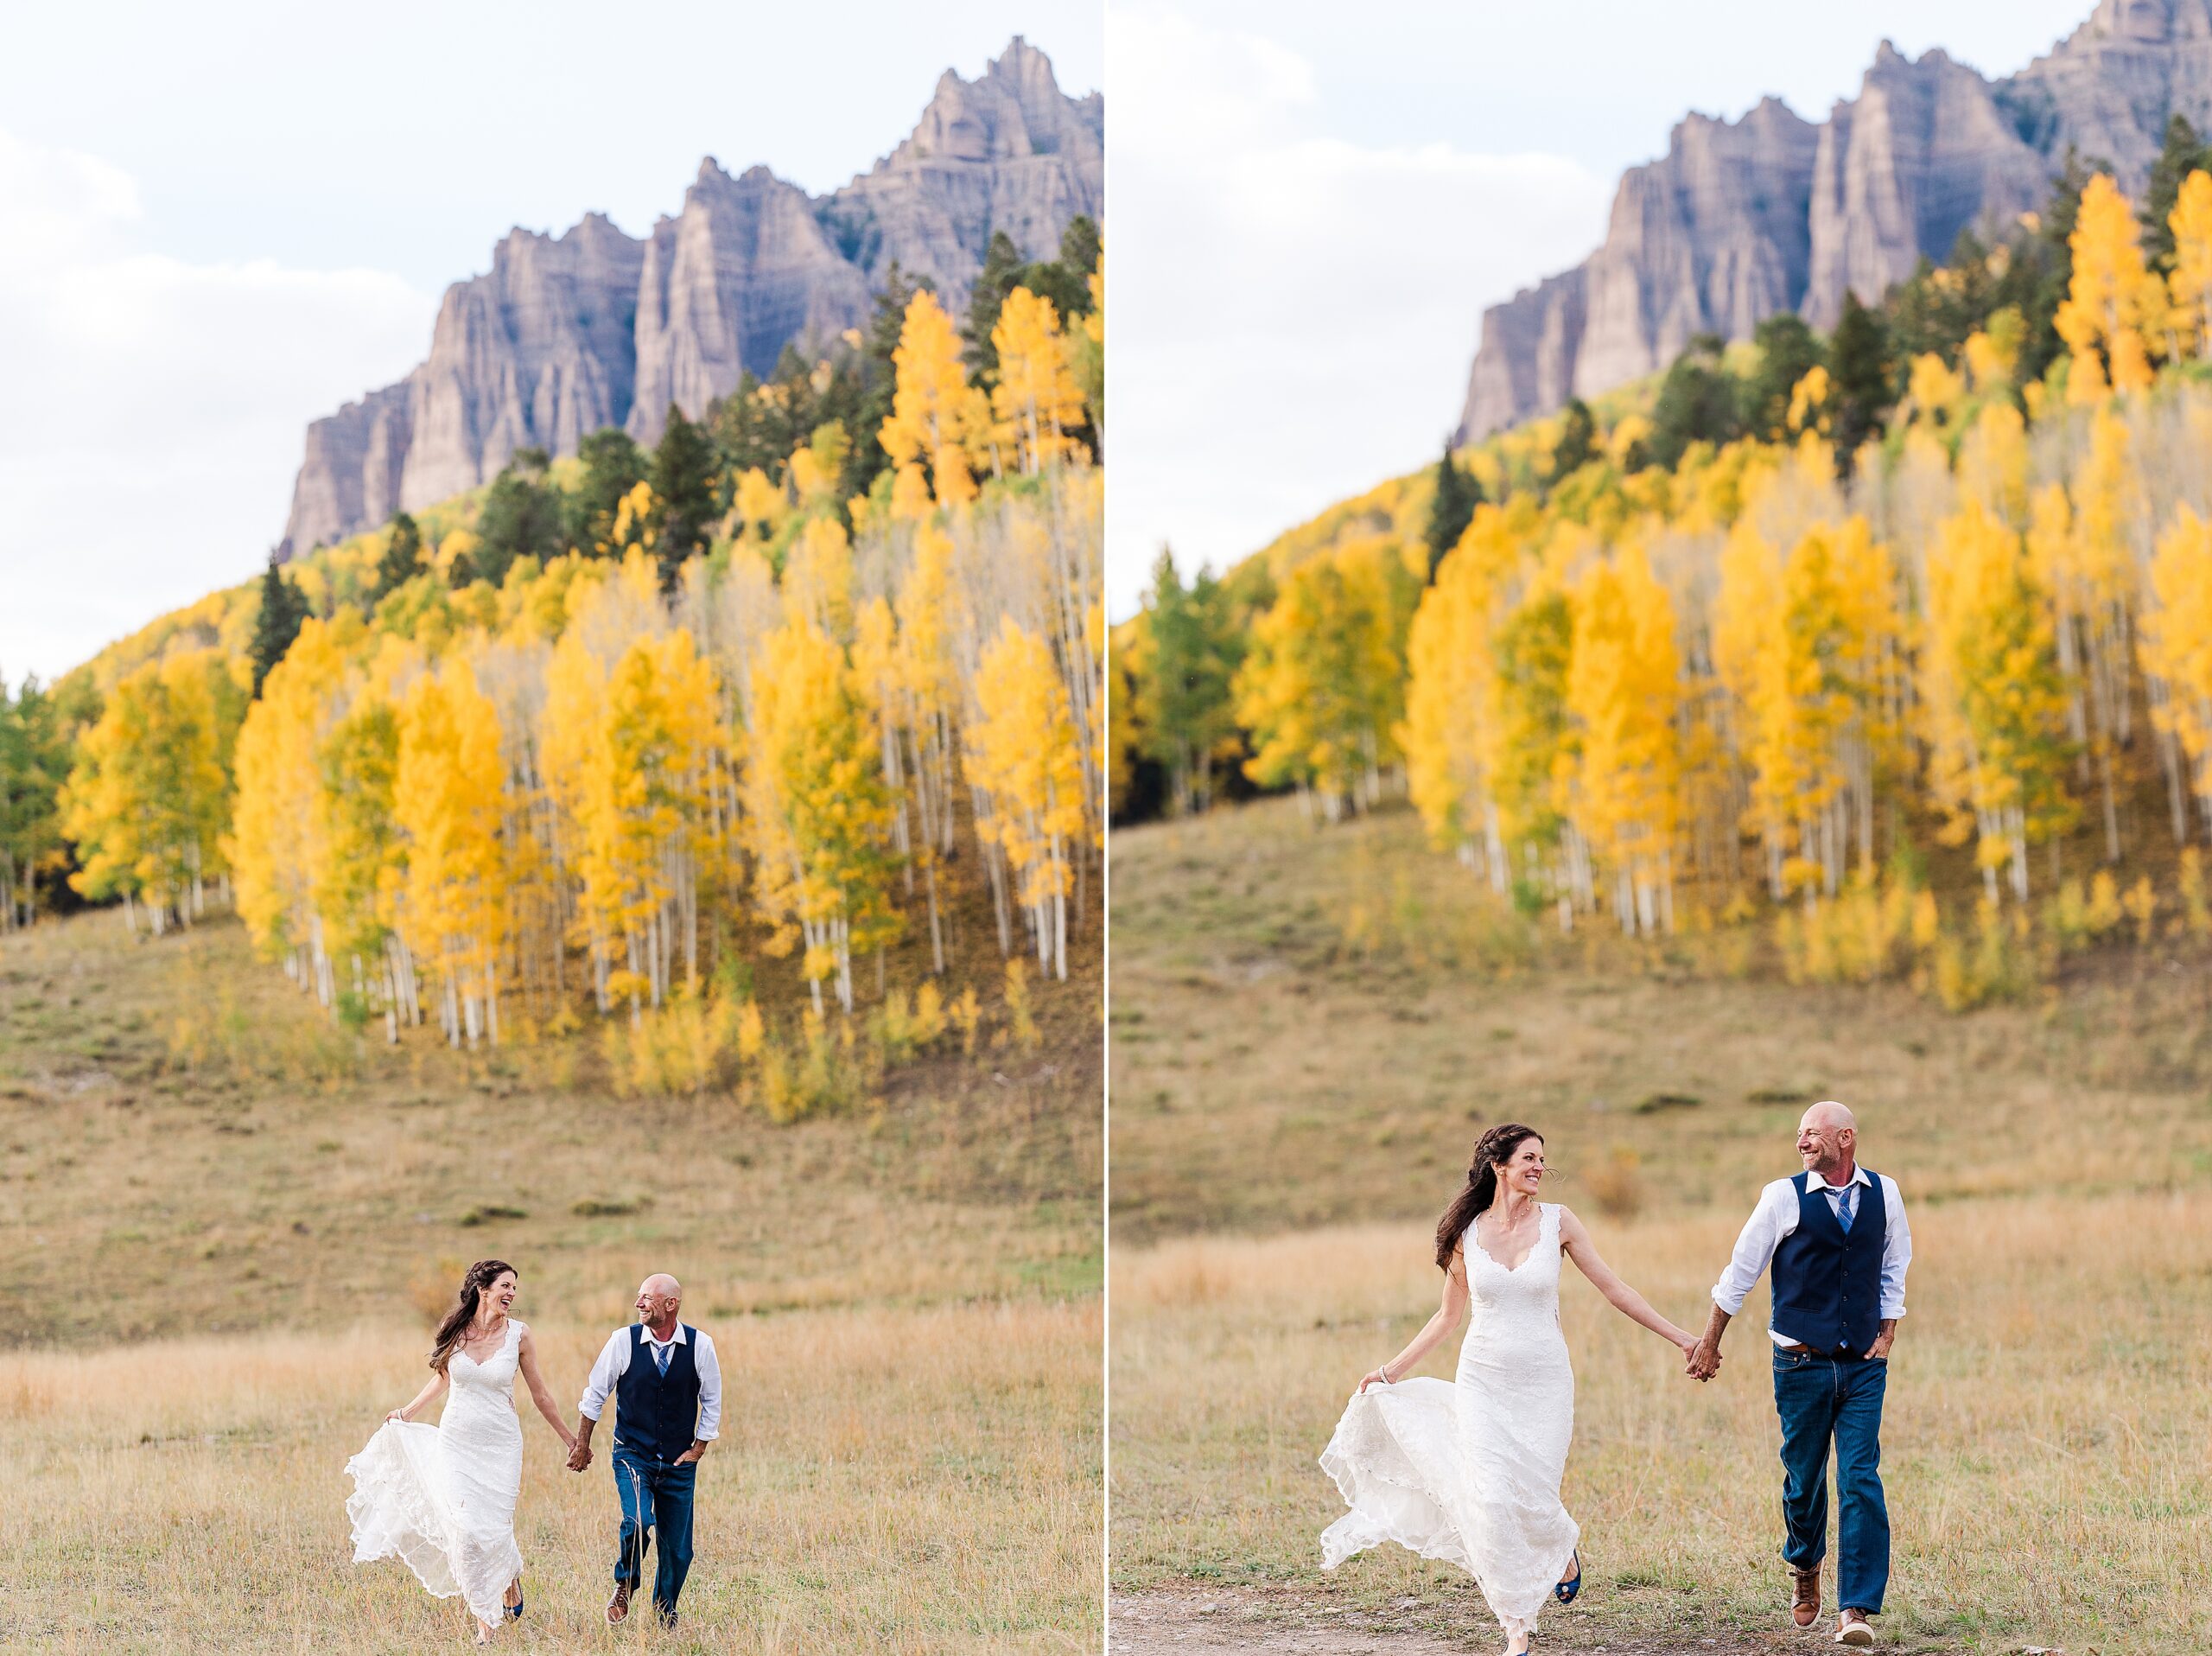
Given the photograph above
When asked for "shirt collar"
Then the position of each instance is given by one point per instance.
(675, 1339)
(1858, 1176)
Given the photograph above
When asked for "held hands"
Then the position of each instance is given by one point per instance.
(579, 1454)
(1702, 1359)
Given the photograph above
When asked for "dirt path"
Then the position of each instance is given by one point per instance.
(1155, 1624)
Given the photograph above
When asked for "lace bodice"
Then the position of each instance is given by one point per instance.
(494, 1376)
(1522, 1301)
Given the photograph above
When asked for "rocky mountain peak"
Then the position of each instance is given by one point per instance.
(1772, 213)
(566, 335)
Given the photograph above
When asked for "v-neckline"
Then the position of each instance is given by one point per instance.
(464, 1351)
(1476, 1231)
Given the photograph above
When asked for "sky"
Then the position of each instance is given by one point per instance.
(1310, 205)
(219, 223)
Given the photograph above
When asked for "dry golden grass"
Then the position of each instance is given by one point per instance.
(215, 1280)
(1294, 1113)
(905, 1479)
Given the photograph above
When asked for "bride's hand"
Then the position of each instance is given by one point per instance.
(1374, 1377)
(399, 1415)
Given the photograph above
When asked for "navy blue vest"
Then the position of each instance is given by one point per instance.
(654, 1413)
(1827, 1281)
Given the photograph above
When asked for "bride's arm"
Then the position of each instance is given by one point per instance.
(540, 1394)
(1575, 1241)
(423, 1398)
(1436, 1330)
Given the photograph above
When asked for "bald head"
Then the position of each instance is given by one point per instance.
(1828, 1113)
(1827, 1139)
(658, 1297)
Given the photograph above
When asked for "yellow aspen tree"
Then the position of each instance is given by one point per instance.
(2177, 645)
(1021, 749)
(818, 577)
(2112, 302)
(448, 804)
(1036, 395)
(1320, 690)
(928, 692)
(1452, 709)
(2084, 559)
(761, 505)
(359, 870)
(2191, 283)
(1992, 696)
(147, 801)
(1623, 683)
(931, 411)
(817, 811)
(276, 848)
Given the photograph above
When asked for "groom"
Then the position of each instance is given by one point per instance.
(1836, 1238)
(667, 1388)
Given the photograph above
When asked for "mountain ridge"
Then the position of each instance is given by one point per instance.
(569, 333)
(1740, 220)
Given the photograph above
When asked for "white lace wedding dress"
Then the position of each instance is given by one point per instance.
(1467, 1471)
(442, 1498)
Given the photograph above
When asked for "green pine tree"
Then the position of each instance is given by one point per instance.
(1458, 493)
(2183, 153)
(401, 561)
(686, 473)
(614, 465)
(523, 516)
(283, 608)
(1578, 441)
(1789, 351)
(1862, 380)
(1000, 275)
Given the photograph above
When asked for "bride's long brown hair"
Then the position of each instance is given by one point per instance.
(1492, 1151)
(481, 1276)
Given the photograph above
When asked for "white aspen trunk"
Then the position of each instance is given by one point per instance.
(937, 930)
(492, 998)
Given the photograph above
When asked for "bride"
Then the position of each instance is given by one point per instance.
(1468, 1471)
(442, 1498)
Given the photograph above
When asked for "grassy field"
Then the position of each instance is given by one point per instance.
(1311, 1028)
(224, 1225)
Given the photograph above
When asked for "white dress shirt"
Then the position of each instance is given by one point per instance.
(614, 1362)
(1775, 1216)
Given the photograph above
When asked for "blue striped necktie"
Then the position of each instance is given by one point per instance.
(660, 1353)
(1846, 1204)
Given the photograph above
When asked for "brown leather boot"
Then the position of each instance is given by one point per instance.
(1805, 1595)
(617, 1608)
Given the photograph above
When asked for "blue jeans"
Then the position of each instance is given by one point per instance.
(1820, 1399)
(655, 1496)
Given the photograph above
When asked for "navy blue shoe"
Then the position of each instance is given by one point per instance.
(515, 1609)
(1565, 1591)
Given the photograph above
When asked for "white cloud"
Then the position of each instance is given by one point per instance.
(1294, 314)
(154, 408)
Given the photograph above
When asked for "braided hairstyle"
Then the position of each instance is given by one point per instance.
(1492, 1151)
(454, 1328)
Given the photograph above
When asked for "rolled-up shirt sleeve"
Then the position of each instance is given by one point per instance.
(1897, 1248)
(604, 1373)
(709, 1368)
(1774, 1217)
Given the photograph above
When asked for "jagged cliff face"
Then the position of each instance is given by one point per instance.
(566, 335)
(1740, 219)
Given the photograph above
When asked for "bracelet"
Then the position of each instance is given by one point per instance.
(1383, 1369)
